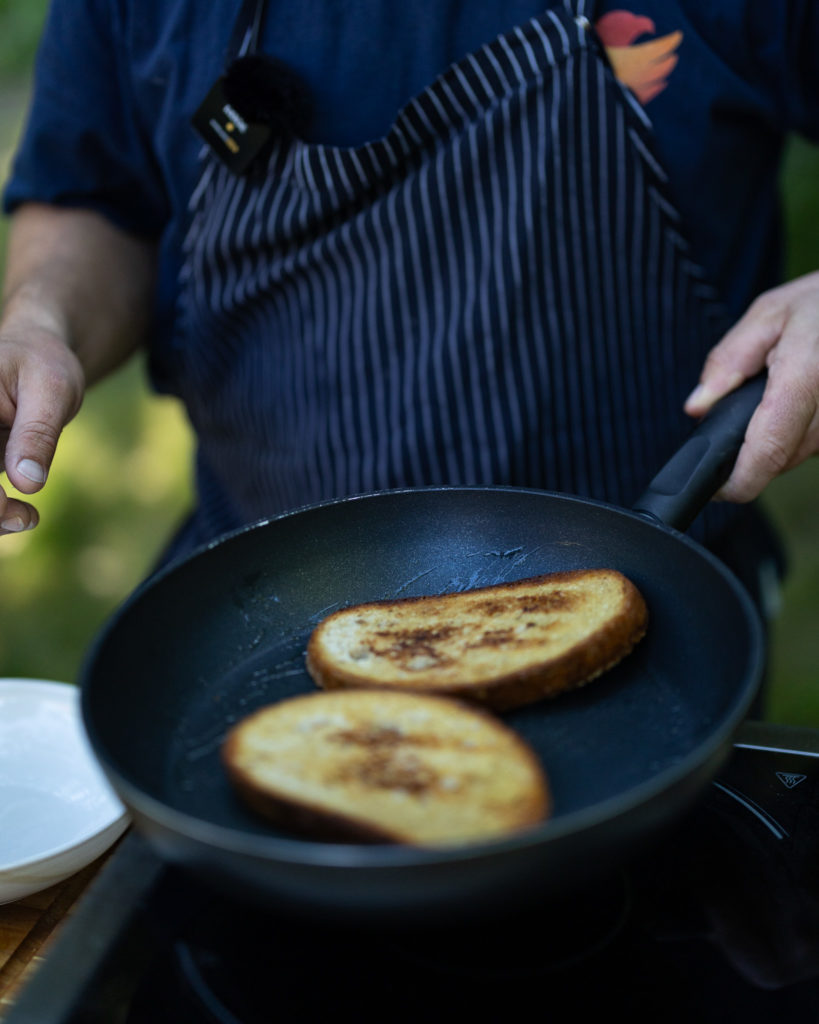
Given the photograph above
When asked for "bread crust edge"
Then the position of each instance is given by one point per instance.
(309, 820)
(574, 668)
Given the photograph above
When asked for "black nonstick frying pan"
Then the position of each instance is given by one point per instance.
(223, 632)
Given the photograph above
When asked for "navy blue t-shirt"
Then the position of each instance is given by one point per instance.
(118, 80)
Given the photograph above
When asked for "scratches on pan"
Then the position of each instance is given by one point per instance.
(485, 568)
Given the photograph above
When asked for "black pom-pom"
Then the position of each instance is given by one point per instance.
(266, 91)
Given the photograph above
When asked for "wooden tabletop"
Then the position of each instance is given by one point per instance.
(27, 925)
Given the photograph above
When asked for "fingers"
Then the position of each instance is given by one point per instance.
(47, 396)
(29, 451)
(16, 516)
(742, 352)
(780, 331)
(41, 388)
(783, 432)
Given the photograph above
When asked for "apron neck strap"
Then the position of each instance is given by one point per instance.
(244, 38)
(581, 8)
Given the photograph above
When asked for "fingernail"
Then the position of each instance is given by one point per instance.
(699, 392)
(32, 471)
(706, 393)
(13, 525)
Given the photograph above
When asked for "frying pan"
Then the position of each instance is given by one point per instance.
(223, 632)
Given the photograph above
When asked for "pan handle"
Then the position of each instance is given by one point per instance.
(688, 481)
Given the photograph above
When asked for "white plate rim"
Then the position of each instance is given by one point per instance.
(70, 694)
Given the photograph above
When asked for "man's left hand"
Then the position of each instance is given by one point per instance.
(779, 331)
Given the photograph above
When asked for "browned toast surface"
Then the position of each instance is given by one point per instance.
(503, 646)
(372, 766)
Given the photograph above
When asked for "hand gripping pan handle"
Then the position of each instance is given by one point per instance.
(693, 475)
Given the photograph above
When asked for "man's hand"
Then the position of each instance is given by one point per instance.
(41, 388)
(780, 330)
(78, 295)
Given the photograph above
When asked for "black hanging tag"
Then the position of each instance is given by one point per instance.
(236, 140)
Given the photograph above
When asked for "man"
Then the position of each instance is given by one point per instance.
(495, 287)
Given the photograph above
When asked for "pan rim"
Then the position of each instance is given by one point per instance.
(176, 564)
(297, 852)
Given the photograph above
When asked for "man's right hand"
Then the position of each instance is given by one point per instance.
(41, 389)
(77, 302)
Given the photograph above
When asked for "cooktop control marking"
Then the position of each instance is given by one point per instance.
(790, 779)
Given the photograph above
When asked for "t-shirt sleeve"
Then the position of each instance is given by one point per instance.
(82, 144)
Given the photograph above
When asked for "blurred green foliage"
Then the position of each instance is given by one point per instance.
(119, 484)
(117, 488)
(793, 499)
(21, 22)
(121, 479)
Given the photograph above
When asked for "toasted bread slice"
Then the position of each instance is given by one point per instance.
(367, 766)
(502, 646)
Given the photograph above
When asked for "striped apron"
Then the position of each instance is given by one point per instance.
(498, 291)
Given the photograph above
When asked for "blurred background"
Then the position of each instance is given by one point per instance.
(121, 480)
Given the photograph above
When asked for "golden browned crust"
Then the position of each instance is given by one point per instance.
(508, 688)
(295, 816)
(354, 752)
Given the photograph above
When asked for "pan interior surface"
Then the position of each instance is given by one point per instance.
(223, 633)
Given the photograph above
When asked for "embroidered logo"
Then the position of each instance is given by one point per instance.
(643, 67)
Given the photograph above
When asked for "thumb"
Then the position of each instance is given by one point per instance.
(745, 348)
(38, 422)
(741, 354)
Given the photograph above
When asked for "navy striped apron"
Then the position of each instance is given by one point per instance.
(496, 292)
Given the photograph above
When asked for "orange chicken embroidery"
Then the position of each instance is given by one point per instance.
(643, 67)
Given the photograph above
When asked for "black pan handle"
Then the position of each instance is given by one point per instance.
(694, 474)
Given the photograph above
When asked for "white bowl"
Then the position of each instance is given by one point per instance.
(57, 811)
